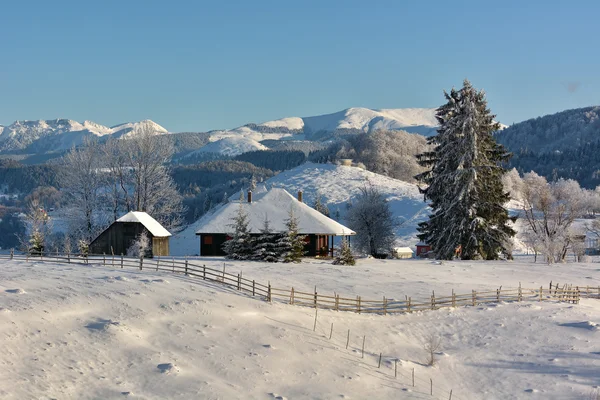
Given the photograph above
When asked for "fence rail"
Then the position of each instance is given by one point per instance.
(566, 293)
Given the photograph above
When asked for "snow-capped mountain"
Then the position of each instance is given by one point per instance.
(357, 119)
(231, 146)
(61, 134)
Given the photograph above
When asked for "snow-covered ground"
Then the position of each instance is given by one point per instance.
(74, 331)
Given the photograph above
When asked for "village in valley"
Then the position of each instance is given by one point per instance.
(407, 253)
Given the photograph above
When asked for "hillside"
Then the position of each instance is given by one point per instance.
(94, 332)
(338, 185)
(564, 145)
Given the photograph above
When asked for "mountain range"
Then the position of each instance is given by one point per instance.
(45, 136)
(61, 134)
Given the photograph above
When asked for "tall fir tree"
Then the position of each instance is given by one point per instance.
(464, 181)
(264, 247)
(239, 247)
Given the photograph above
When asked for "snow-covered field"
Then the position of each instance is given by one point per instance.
(74, 331)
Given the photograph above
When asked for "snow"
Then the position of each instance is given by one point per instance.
(274, 205)
(231, 146)
(149, 223)
(75, 331)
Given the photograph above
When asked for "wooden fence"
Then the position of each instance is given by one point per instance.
(384, 306)
(586, 291)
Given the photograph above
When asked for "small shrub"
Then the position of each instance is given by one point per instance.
(431, 345)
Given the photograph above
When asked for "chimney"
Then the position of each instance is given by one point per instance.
(249, 196)
(300, 196)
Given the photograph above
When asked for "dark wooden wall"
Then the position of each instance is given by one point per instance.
(119, 236)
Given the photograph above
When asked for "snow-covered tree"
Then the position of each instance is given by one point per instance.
(464, 180)
(320, 205)
(140, 246)
(82, 182)
(513, 184)
(38, 228)
(549, 210)
(373, 221)
(291, 243)
(345, 256)
(264, 246)
(252, 187)
(239, 247)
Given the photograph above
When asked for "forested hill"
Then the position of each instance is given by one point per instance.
(561, 145)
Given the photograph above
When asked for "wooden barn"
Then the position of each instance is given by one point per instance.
(275, 206)
(119, 236)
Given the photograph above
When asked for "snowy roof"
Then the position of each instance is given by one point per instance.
(274, 205)
(403, 250)
(149, 223)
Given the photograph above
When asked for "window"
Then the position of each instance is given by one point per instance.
(208, 239)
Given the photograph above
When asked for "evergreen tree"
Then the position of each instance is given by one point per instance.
(291, 243)
(345, 256)
(320, 206)
(264, 247)
(239, 247)
(252, 183)
(464, 180)
(225, 198)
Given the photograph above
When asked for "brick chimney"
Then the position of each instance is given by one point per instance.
(300, 196)
(249, 196)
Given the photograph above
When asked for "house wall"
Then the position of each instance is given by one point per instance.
(212, 244)
(160, 246)
(118, 238)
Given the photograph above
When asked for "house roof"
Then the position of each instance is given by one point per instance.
(149, 223)
(403, 250)
(274, 205)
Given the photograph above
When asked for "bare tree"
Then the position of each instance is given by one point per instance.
(549, 210)
(370, 216)
(153, 189)
(432, 344)
(119, 179)
(81, 181)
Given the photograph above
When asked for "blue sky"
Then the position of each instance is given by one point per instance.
(196, 66)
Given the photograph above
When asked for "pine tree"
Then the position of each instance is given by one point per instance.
(320, 206)
(291, 243)
(225, 198)
(265, 247)
(36, 242)
(464, 181)
(345, 256)
(252, 183)
(239, 247)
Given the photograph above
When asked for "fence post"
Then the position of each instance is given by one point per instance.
(223, 272)
(541, 293)
(348, 340)
(413, 377)
(474, 296)
(384, 306)
(68, 258)
(433, 300)
(173, 263)
(238, 282)
(450, 398)
(497, 295)
(337, 302)
(186, 266)
(12, 253)
(363, 347)
(253, 287)
(453, 299)
(315, 297)
(121, 260)
(520, 296)
(379, 365)
(395, 368)
(358, 299)
(204, 277)
(268, 292)
(408, 305)
(104, 259)
(331, 331)
(141, 262)
(157, 262)
(431, 386)
(292, 296)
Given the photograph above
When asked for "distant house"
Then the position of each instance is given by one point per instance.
(402, 252)
(423, 249)
(274, 205)
(120, 235)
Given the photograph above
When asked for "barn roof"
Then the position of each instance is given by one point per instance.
(403, 250)
(274, 205)
(149, 223)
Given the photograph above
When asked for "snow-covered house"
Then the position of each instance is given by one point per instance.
(274, 205)
(120, 235)
(402, 252)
